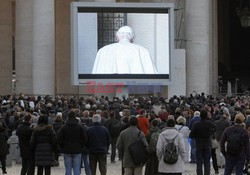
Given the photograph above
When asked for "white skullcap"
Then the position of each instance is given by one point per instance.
(197, 113)
(125, 32)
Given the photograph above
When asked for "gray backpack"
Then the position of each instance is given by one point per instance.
(171, 152)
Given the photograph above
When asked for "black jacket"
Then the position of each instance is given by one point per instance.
(57, 126)
(114, 133)
(245, 150)
(98, 139)
(201, 132)
(24, 132)
(43, 141)
(72, 137)
(221, 125)
(4, 150)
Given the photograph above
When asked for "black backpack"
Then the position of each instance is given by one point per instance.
(171, 152)
(138, 151)
(234, 143)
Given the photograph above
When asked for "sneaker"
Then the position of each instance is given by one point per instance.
(217, 172)
(4, 172)
(112, 161)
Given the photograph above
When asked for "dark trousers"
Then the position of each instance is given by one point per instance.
(203, 155)
(57, 154)
(152, 165)
(28, 167)
(113, 149)
(214, 159)
(170, 173)
(237, 162)
(102, 161)
(40, 170)
(3, 162)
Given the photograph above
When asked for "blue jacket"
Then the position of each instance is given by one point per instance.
(98, 139)
(193, 120)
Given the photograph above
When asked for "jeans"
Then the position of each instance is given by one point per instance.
(86, 164)
(72, 161)
(203, 154)
(28, 167)
(102, 161)
(193, 150)
(237, 162)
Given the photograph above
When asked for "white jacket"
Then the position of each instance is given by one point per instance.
(170, 133)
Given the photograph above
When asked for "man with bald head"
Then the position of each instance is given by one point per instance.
(123, 57)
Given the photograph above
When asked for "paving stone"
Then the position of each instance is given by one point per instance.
(113, 169)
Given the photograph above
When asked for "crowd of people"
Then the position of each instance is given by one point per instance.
(83, 128)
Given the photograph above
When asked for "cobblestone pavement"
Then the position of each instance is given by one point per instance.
(113, 169)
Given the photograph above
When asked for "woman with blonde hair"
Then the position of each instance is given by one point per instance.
(184, 130)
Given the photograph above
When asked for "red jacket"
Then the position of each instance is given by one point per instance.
(143, 124)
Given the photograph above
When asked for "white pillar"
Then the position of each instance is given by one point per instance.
(23, 46)
(197, 45)
(43, 47)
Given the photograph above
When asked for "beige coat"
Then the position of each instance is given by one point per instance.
(178, 167)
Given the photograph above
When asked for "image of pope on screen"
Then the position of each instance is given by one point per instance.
(123, 57)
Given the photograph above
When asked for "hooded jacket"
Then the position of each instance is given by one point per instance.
(170, 133)
(43, 141)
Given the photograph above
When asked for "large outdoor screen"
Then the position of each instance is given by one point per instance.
(121, 41)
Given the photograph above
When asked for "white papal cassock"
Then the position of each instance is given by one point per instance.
(123, 58)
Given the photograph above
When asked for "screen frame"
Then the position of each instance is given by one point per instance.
(78, 79)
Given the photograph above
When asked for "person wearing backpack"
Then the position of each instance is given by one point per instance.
(235, 146)
(201, 132)
(152, 138)
(170, 150)
(125, 139)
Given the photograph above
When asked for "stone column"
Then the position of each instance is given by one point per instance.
(214, 89)
(23, 46)
(43, 47)
(197, 45)
(5, 47)
(63, 53)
